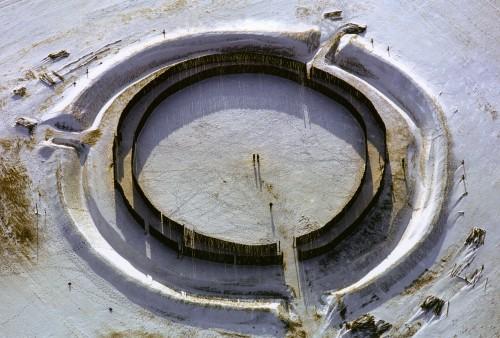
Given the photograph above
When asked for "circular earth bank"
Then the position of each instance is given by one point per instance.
(194, 157)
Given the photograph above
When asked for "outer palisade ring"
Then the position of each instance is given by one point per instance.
(183, 237)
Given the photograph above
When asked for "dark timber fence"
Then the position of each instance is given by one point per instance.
(310, 248)
(183, 239)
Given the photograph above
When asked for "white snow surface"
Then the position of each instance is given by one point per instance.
(450, 49)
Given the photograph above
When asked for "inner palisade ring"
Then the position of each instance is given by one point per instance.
(250, 158)
(238, 157)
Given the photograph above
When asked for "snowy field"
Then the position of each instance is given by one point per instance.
(77, 274)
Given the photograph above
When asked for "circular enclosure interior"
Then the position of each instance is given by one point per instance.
(214, 155)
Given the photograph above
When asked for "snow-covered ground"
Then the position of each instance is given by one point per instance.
(449, 49)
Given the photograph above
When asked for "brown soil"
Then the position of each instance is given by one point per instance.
(92, 137)
(131, 333)
(17, 214)
(424, 279)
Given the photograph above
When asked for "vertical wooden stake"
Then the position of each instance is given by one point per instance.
(36, 213)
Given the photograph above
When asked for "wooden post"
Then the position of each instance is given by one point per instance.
(36, 211)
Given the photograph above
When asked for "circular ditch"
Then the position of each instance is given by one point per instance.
(365, 244)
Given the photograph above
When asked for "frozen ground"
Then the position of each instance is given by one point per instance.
(195, 158)
(451, 48)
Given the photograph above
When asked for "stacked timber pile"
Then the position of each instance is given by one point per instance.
(333, 15)
(59, 55)
(434, 304)
(22, 92)
(476, 237)
(365, 326)
(47, 79)
(27, 123)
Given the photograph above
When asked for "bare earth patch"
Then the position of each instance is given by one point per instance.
(132, 333)
(17, 215)
(92, 137)
(426, 278)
